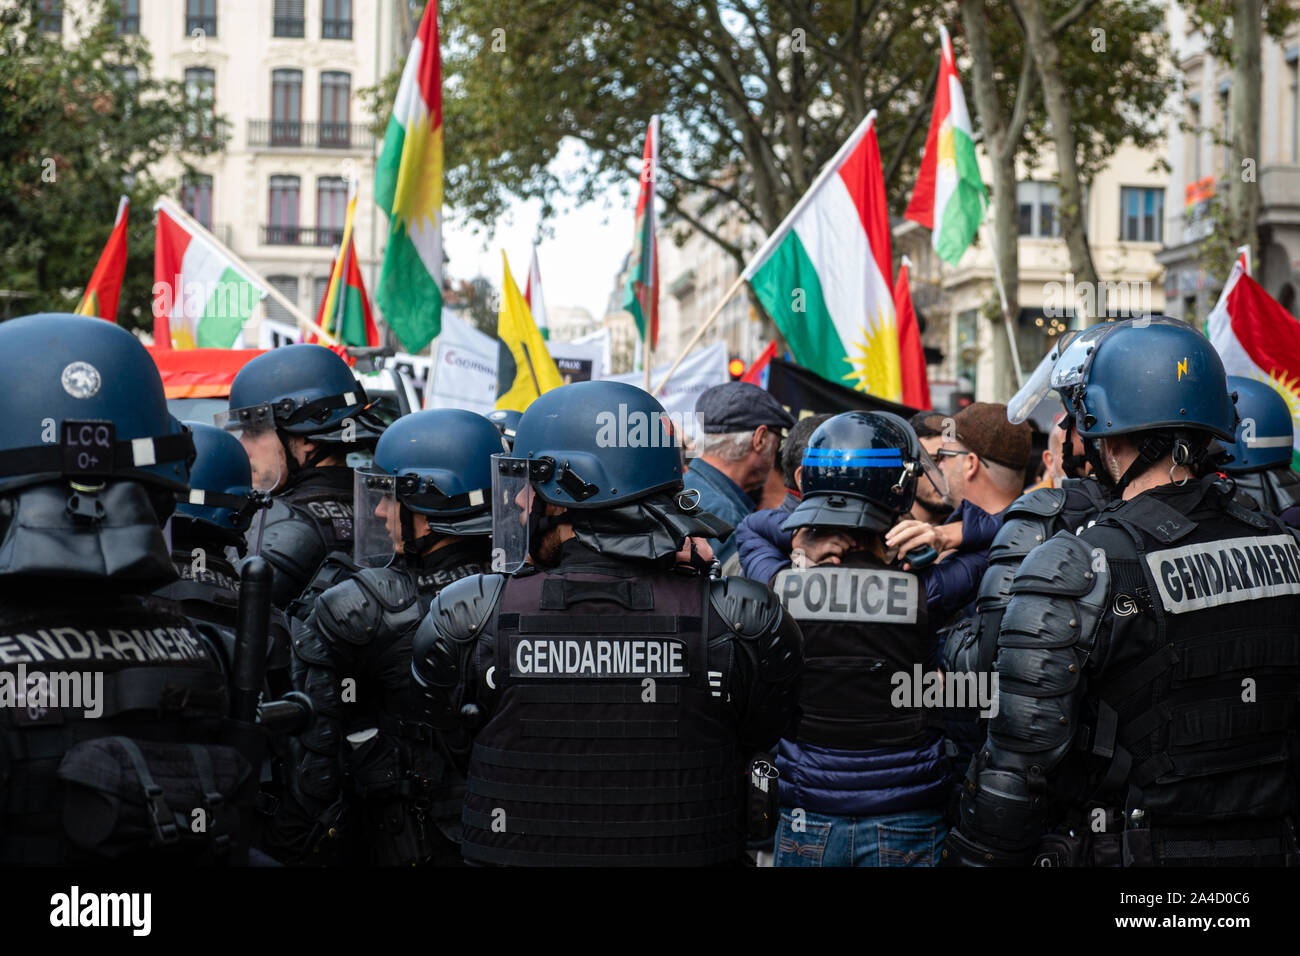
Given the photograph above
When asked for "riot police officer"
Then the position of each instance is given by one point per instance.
(860, 763)
(299, 412)
(1261, 453)
(1148, 665)
(90, 460)
(506, 420)
(423, 521)
(608, 696)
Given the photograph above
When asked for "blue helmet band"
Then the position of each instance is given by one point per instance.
(853, 457)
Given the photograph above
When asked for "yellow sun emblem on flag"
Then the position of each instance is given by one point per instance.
(418, 195)
(875, 367)
(1285, 385)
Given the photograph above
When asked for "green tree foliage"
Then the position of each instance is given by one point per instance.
(75, 133)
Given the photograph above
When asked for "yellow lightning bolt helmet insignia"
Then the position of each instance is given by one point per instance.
(1182, 369)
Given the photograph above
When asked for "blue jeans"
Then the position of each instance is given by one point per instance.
(896, 839)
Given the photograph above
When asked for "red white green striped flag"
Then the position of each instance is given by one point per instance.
(823, 275)
(641, 294)
(408, 187)
(1257, 338)
(201, 297)
(949, 198)
(345, 310)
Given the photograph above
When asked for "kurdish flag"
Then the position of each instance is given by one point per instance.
(345, 309)
(949, 197)
(535, 370)
(1257, 338)
(641, 294)
(408, 187)
(100, 297)
(201, 298)
(911, 354)
(533, 296)
(823, 275)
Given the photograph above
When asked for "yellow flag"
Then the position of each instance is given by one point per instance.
(535, 370)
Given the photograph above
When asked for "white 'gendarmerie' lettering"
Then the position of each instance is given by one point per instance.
(570, 657)
(71, 644)
(1198, 576)
(849, 594)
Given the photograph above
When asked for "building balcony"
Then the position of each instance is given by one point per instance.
(289, 26)
(128, 24)
(336, 29)
(208, 25)
(275, 235)
(293, 134)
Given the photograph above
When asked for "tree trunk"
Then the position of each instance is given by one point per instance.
(1047, 59)
(1243, 185)
(1000, 144)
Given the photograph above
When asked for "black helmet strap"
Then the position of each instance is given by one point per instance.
(1153, 447)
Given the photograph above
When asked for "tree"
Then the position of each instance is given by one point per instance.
(1239, 47)
(79, 126)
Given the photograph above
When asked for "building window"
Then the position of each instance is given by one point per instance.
(331, 208)
(200, 84)
(335, 96)
(130, 22)
(319, 286)
(1036, 206)
(286, 107)
(201, 17)
(336, 20)
(288, 19)
(287, 286)
(51, 16)
(1141, 214)
(283, 221)
(196, 198)
(1194, 122)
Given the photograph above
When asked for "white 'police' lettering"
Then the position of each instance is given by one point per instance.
(849, 594)
(1198, 576)
(569, 657)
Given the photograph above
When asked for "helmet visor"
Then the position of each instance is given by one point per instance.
(932, 474)
(1039, 386)
(1071, 368)
(376, 519)
(512, 503)
(255, 428)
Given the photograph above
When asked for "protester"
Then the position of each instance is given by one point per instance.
(741, 427)
(929, 506)
(763, 548)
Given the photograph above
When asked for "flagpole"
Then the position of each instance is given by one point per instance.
(176, 212)
(1002, 295)
(699, 333)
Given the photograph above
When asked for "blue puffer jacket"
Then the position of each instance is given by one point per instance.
(863, 783)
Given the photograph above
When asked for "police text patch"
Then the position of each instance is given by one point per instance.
(598, 657)
(1198, 576)
(848, 594)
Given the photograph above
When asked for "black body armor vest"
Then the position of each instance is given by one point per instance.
(116, 771)
(862, 623)
(1194, 709)
(610, 741)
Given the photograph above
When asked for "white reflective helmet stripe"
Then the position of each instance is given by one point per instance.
(350, 398)
(1282, 441)
(196, 496)
(142, 452)
(476, 497)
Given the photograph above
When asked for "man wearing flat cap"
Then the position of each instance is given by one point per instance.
(741, 426)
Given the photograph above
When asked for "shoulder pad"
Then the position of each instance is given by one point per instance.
(394, 589)
(1020, 533)
(337, 567)
(463, 608)
(1064, 566)
(1043, 503)
(747, 607)
(366, 604)
(293, 545)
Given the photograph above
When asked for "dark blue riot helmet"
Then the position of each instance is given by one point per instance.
(306, 391)
(507, 421)
(860, 471)
(607, 453)
(436, 463)
(1152, 375)
(1265, 433)
(90, 457)
(221, 493)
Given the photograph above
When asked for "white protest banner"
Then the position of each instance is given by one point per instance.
(580, 360)
(464, 371)
(695, 375)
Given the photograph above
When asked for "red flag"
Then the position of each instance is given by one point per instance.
(641, 294)
(755, 374)
(911, 357)
(105, 285)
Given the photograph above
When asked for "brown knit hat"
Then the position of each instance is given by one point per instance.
(983, 428)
